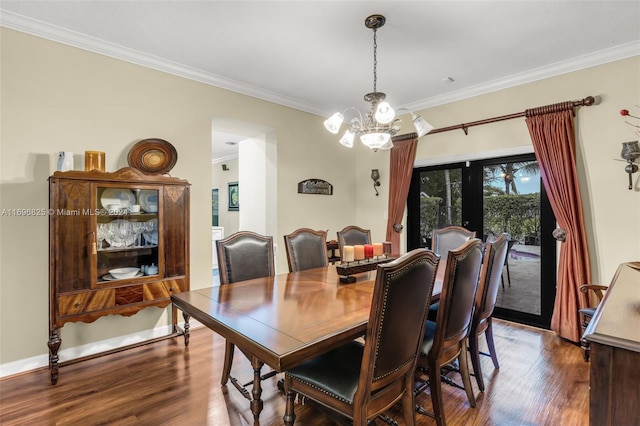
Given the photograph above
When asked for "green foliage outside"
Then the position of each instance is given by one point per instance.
(517, 214)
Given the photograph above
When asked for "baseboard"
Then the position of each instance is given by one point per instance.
(69, 354)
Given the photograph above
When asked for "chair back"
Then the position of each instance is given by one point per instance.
(457, 299)
(245, 255)
(353, 235)
(495, 254)
(399, 308)
(306, 249)
(449, 238)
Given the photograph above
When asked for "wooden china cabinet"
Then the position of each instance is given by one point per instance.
(94, 231)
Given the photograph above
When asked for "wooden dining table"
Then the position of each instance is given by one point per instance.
(284, 320)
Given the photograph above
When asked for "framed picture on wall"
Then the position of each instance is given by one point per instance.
(234, 197)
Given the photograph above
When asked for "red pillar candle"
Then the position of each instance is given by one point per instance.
(368, 251)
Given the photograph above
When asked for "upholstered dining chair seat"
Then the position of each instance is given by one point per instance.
(337, 372)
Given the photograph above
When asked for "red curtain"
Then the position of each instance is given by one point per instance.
(553, 139)
(403, 155)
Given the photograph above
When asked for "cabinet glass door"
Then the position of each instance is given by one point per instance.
(127, 230)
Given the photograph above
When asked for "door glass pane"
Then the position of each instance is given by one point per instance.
(511, 199)
(440, 201)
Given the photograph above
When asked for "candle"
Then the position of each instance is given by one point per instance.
(358, 252)
(368, 251)
(347, 253)
(387, 248)
(377, 249)
(94, 160)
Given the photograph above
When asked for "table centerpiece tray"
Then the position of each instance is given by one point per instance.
(346, 270)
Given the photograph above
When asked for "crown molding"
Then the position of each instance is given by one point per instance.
(82, 41)
(600, 57)
(51, 32)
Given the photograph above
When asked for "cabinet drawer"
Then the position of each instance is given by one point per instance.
(164, 289)
(89, 301)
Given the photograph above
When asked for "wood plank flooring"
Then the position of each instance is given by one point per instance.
(542, 381)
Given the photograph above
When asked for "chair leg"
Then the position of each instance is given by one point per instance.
(464, 372)
(290, 413)
(435, 386)
(408, 402)
(228, 360)
(508, 273)
(488, 334)
(475, 360)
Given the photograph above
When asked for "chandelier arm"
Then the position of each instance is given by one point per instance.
(356, 110)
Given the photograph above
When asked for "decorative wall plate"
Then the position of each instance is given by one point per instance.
(153, 156)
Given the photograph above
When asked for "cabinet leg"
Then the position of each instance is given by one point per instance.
(186, 317)
(54, 344)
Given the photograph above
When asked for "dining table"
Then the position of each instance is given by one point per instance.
(284, 320)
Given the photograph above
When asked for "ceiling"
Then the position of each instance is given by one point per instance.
(317, 56)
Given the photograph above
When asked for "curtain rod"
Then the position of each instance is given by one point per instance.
(562, 106)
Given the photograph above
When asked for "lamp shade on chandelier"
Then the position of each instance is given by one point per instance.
(377, 126)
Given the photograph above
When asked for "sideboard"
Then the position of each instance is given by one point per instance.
(614, 336)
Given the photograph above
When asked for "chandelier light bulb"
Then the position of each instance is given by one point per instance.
(421, 125)
(334, 122)
(347, 138)
(375, 140)
(385, 113)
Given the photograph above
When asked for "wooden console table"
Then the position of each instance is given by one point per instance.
(614, 336)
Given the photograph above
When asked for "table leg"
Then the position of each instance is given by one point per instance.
(186, 317)
(256, 390)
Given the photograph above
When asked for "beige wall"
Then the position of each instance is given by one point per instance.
(55, 97)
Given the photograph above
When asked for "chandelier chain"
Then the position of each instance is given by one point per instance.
(375, 59)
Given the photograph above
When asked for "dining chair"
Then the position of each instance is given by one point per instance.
(451, 237)
(442, 241)
(353, 235)
(306, 249)
(362, 380)
(510, 244)
(242, 256)
(587, 313)
(445, 340)
(495, 254)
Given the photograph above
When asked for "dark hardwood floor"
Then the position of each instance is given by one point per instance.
(542, 381)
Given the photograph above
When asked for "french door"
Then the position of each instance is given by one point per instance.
(493, 196)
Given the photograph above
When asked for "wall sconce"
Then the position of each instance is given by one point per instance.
(630, 151)
(375, 176)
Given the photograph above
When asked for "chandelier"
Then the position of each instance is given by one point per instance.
(376, 128)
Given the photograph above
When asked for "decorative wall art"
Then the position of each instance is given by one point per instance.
(315, 186)
(234, 197)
